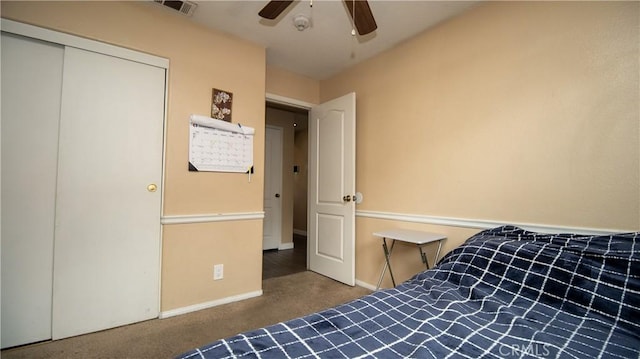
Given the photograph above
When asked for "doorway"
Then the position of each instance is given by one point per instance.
(290, 256)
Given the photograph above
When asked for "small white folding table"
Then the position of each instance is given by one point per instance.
(407, 236)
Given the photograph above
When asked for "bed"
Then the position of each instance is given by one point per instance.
(504, 293)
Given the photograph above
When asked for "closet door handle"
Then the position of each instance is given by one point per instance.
(152, 187)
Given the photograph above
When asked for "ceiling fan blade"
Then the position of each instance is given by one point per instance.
(273, 9)
(363, 19)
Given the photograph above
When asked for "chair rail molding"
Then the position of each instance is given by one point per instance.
(483, 223)
(211, 217)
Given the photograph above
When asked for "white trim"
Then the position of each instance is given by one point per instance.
(362, 284)
(483, 223)
(212, 217)
(211, 304)
(284, 246)
(163, 180)
(19, 28)
(282, 100)
(300, 232)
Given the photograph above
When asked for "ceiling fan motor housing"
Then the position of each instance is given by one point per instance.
(301, 22)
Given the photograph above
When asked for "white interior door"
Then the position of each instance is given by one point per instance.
(31, 87)
(331, 233)
(272, 224)
(107, 237)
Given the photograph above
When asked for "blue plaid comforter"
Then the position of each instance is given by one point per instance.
(505, 293)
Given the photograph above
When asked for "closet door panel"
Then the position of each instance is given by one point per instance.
(31, 85)
(107, 252)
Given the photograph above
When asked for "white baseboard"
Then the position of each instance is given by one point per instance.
(362, 284)
(300, 232)
(283, 246)
(213, 303)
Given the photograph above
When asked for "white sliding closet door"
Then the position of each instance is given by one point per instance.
(31, 82)
(107, 251)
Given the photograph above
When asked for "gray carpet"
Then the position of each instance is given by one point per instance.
(284, 298)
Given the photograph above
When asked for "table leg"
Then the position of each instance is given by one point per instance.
(387, 259)
(423, 256)
(438, 252)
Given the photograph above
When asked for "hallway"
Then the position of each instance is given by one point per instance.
(277, 263)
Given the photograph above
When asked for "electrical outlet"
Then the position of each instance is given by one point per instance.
(218, 271)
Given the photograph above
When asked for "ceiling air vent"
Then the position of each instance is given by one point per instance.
(184, 7)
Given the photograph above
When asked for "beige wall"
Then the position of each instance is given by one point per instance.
(523, 112)
(291, 85)
(200, 59)
(513, 112)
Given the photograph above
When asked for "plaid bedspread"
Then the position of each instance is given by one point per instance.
(505, 293)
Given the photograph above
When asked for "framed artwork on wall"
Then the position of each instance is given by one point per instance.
(221, 105)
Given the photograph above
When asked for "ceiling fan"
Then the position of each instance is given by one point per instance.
(359, 10)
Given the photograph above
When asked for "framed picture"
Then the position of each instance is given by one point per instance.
(221, 105)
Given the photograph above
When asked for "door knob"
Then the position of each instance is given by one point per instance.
(152, 187)
(277, 195)
(347, 198)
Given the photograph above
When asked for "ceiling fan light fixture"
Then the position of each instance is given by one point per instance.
(301, 22)
(360, 12)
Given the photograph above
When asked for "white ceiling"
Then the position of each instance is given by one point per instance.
(327, 47)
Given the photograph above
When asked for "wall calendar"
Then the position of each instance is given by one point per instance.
(219, 146)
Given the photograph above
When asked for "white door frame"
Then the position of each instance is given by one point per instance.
(283, 100)
(307, 106)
